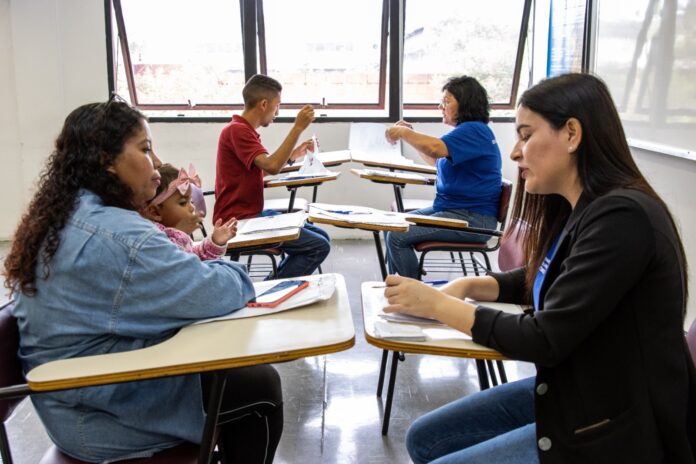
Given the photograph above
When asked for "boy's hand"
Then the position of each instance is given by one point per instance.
(302, 149)
(305, 117)
(224, 232)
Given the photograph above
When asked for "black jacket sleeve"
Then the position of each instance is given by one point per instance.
(603, 256)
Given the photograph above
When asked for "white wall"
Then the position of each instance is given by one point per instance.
(53, 58)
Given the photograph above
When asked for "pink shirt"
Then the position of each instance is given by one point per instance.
(207, 249)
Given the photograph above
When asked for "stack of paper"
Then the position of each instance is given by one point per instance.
(408, 319)
(399, 175)
(277, 222)
(399, 332)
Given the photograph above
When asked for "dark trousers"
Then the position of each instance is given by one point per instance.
(251, 414)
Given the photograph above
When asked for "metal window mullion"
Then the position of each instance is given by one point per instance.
(524, 27)
(396, 58)
(249, 13)
(125, 50)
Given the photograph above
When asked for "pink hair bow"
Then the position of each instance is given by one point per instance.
(181, 183)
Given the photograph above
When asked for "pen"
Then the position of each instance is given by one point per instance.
(436, 282)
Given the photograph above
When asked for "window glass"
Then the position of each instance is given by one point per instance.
(443, 38)
(324, 52)
(184, 52)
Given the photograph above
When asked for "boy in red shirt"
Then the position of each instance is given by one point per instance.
(242, 161)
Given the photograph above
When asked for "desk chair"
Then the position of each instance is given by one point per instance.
(13, 390)
(470, 247)
(270, 252)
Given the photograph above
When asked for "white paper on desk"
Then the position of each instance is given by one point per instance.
(399, 175)
(312, 165)
(399, 332)
(367, 139)
(319, 289)
(277, 222)
(372, 218)
(505, 307)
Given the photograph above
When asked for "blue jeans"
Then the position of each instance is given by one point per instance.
(495, 425)
(304, 254)
(401, 256)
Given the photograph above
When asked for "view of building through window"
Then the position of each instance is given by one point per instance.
(195, 56)
(329, 54)
(187, 58)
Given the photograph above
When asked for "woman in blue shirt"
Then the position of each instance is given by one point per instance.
(92, 276)
(468, 172)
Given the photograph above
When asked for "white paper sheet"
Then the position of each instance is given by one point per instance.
(277, 222)
(320, 288)
(368, 140)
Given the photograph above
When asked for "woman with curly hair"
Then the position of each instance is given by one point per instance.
(92, 276)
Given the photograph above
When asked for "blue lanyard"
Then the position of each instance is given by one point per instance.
(541, 273)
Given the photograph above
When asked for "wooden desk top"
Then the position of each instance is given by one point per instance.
(442, 340)
(391, 164)
(445, 223)
(265, 237)
(328, 159)
(389, 177)
(354, 221)
(289, 182)
(320, 328)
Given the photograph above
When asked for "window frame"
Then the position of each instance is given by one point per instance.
(253, 42)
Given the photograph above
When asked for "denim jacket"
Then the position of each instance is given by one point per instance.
(117, 283)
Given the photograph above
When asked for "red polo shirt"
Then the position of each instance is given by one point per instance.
(238, 181)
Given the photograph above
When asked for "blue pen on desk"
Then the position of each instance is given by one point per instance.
(349, 212)
(436, 282)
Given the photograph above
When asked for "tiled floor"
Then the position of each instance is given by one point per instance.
(332, 414)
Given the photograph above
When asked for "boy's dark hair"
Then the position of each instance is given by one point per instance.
(168, 173)
(471, 98)
(259, 87)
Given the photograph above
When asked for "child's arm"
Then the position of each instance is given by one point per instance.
(215, 246)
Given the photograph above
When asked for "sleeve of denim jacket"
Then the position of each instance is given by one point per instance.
(164, 288)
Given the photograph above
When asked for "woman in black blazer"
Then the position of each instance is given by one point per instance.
(607, 278)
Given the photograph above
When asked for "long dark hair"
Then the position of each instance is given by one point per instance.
(471, 97)
(603, 158)
(92, 137)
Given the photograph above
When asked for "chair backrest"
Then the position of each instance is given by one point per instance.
(198, 200)
(691, 340)
(504, 205)
(10, 365)
(510, 253)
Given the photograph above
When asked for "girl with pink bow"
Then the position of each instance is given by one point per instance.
(173, 213)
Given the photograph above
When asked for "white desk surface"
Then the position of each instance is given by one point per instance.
(290, 182)
(394, 164)
(392, 177)
(320, 328)
(442, 340)
(329, 158)
(449, 223)
(365, 219)
(261, 238)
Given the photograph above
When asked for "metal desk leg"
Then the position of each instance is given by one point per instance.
(482, 374)
(293, 192)
(390, 393)
(211, 417)
(314, 194)
(380, 254)
(382, 369)
(501, 371)
(399, 198)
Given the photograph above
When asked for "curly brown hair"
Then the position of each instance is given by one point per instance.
(92, 137)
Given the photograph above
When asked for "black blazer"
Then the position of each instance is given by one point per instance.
(615, 382)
